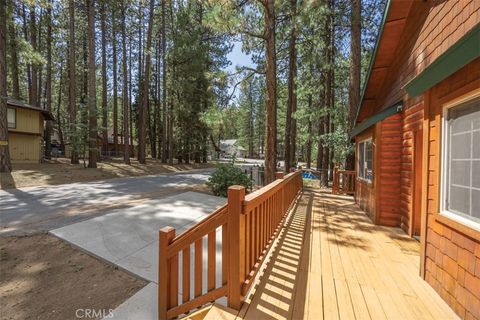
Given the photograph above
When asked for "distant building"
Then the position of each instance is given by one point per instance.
(110, 148)
(230, 147)
(25, 131)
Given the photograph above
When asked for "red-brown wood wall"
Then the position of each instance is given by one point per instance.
(452, 251)
(389, 146)
(411, 122)
(452, 258)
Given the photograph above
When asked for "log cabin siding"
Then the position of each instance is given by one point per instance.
(452, 251)
(411, 122)
(389, 148)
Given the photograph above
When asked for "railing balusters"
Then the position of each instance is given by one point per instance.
(247, 225)
(198, 267)
(212, 243)
(173, 281)
(224, 254)
(248, 242)
(186, 274)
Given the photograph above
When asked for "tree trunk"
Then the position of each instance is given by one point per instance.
(29, 66)
(5, 165)
(354, 83)
(164, 86)
(160, 125)
(309, 135)
(72, 108)
(130, 85)
(290, 136)
(104, 79)
(142, 101)
(328, 94)
(92, 88)
(39, 67)
(33, 42)
(271, 97)
(14, 57)
(145, 84)
(48, 93)
(126, 136)
(59, 105)
(115, 84)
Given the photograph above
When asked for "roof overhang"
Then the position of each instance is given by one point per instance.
(385, 113)
(47, 115)
(391, 30)
(457, 56)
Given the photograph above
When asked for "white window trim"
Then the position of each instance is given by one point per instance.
(443, 161)
(369, 181)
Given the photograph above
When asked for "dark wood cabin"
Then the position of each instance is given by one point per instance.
(417, 138)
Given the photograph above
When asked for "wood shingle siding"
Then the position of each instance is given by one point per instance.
(452, 258)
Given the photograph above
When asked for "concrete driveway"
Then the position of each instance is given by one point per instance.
(128, 238)
(34, 209)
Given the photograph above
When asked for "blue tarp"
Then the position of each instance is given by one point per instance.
(309, 175)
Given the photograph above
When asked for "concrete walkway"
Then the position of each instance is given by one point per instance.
(128, 238)
(37, 209)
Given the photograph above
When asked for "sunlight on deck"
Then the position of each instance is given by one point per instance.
(331, 262)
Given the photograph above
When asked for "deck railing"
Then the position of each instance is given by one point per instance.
(343, 182)
(248, 226)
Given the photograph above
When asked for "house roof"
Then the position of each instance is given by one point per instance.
(404, 27)
(19, 104)
(390, 32)
(228, 142)
(111, 139)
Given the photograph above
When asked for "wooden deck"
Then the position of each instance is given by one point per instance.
(331, 262)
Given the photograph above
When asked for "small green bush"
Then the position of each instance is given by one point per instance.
(228, 175)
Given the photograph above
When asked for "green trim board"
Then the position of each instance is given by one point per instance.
(457, 56)
(367, 123)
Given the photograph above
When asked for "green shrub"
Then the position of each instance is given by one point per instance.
(228, 175)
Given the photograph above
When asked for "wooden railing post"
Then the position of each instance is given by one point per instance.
(335, 181)
(236, 246)
(166, 235)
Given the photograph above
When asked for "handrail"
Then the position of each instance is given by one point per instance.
(343, 181)
(213, 221)
(249, 224)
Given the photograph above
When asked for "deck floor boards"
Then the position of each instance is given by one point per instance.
(331, 262)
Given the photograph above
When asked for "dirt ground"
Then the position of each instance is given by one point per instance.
(42, 277)
(60, 171)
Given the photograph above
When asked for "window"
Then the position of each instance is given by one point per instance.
(461, 167)
(12, 118)
(365, 160)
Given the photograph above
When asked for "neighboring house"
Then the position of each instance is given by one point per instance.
(25, 131)
(231, 147)
(417, 140)
(110, 150)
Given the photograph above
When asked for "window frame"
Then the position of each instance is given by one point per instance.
(15, 117)
(457, 217)
(364, 141)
